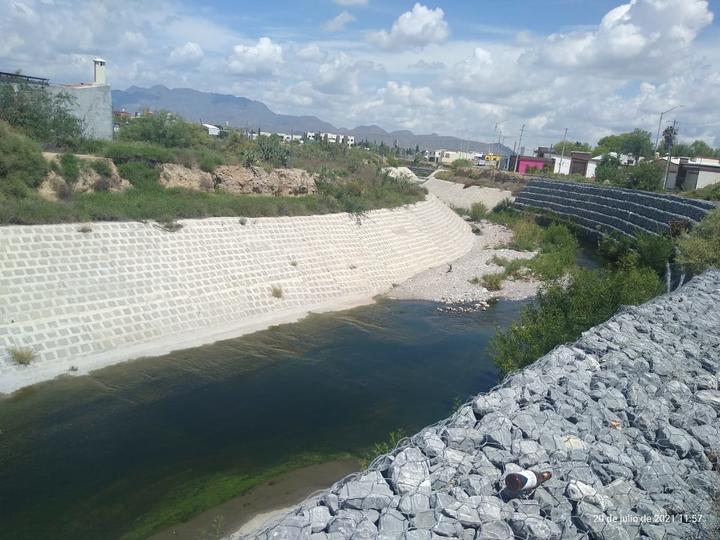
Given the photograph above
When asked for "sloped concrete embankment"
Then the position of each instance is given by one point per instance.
(462, 196)
(612, 210)
(626, 419)
(87, 297)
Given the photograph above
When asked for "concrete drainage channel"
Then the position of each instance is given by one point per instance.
(625, 419)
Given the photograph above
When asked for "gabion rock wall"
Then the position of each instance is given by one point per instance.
(626, 419)
(602, 209)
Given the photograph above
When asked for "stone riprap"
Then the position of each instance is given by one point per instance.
(120, 290)
(625, 418)
(462, 196)
(604, 209)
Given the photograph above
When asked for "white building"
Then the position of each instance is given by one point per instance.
(213, 131)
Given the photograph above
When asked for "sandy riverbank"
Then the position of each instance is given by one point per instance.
(451, 283)
(252, 509)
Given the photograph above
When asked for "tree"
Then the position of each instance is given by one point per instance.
(695, 149)
(609, 170)
(637, 143)
(40, 113)
(646, 175)
(571, 146)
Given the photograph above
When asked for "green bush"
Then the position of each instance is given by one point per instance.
(527, 234)
(709, 193)
(654, 251)
(102, 167)
(478, 211)
(164, 129)
(700, 249)
(561, 313)
(140, 174)
(122, 152)
(21, 159)
(493, 282)
(460, 164)
(70, 168)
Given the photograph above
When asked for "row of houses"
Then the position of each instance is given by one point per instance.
(446, 157)
(684, 173)
(333, 138)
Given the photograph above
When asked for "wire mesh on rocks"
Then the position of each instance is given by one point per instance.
(625, 419)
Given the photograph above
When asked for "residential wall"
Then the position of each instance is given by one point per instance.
(93, 106)
(707, 178)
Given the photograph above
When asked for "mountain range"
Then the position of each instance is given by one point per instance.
(240, 112)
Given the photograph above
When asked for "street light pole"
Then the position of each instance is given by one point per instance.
(657, 138)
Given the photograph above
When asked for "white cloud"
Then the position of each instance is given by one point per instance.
(643, 37)
(311, 53)
(405, 94)
(338, 23)
(261, 59)
(418, 27)
(186, 55)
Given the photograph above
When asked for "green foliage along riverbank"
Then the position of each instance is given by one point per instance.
(573, 300)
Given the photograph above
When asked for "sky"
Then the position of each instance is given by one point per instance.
(476, 69)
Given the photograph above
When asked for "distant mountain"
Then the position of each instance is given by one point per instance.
(241, 112)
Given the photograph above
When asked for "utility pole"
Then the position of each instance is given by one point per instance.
(562, 152)
(517, 160)
(657, 138)
(671, 141)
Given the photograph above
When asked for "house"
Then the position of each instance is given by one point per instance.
(529, 164)
(213, 131)
(448, 156)
(433, 156)
(688, 174)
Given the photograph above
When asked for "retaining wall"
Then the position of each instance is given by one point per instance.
(461, 196)
(129, 289)
(625, 418)
(602, 209)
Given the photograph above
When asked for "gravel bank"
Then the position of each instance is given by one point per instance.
(625, 418)
(451, 283)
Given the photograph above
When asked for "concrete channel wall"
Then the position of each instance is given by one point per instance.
(602, 209)
(121, 290)
(625, 419)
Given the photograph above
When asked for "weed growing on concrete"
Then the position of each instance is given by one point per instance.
(171, 226)
(277, 292)
(22, 356)
(293, 263)
(243, 221)
(84, 229)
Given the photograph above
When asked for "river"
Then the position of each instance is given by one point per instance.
(132, 448)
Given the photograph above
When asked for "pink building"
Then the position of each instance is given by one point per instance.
(526, 162)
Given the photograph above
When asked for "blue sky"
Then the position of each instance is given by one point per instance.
(454, 67)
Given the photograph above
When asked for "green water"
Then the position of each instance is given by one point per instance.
(91, 457)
